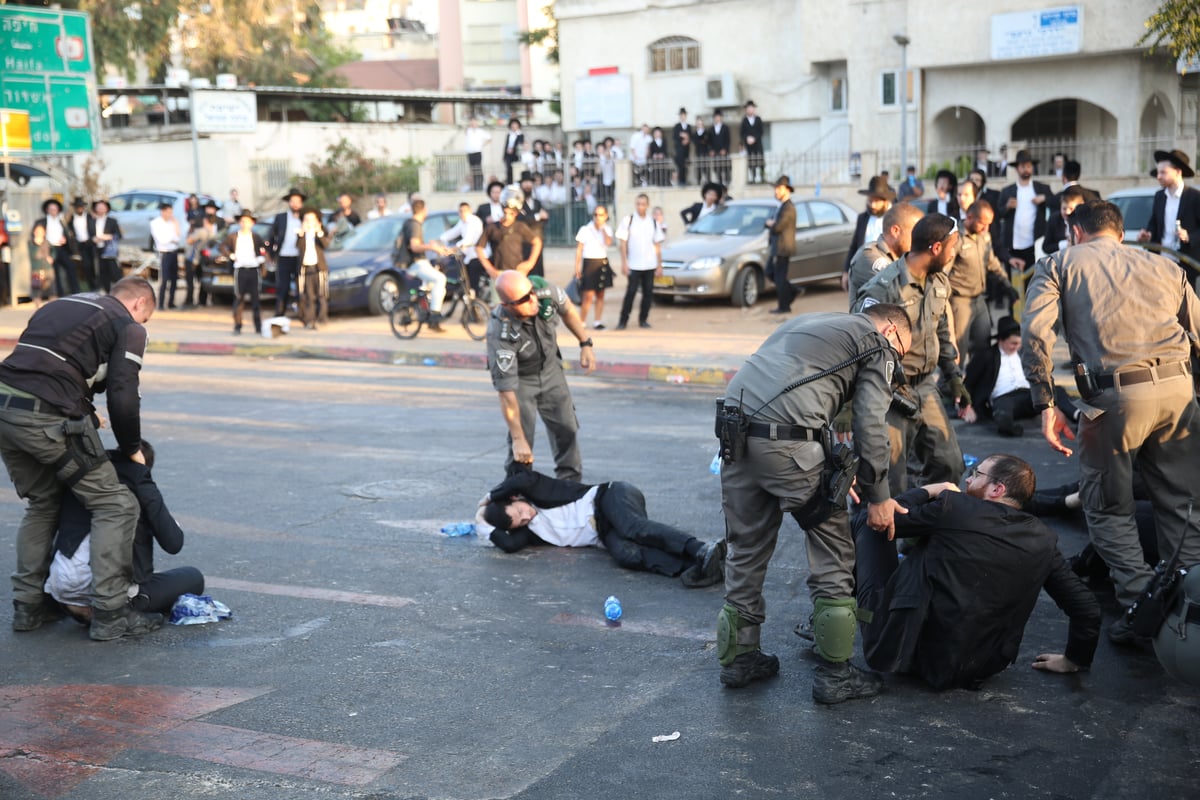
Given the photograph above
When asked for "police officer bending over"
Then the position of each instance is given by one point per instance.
(1131, 321)
(776, 445)
(72, 349)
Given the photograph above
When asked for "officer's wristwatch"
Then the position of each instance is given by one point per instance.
(586, 343)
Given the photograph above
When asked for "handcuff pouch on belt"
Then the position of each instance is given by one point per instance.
(841, 465)
(82, 455)
(732, 429)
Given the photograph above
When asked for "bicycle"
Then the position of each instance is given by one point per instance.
(412, 312)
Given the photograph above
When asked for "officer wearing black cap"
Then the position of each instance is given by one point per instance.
(776, 412)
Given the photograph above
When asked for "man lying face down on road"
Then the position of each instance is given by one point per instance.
(954, 610)
(529, 508)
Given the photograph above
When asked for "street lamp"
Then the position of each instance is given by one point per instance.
(903, 41)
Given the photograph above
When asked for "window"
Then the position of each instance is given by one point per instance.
(675, 54)
(837, 94)
(825, 214)
(889, 94)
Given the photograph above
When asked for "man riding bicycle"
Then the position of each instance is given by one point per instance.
(412, 252)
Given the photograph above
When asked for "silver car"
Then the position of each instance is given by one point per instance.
(134, 210)
(725, 253)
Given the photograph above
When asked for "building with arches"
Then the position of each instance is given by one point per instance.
(1063, 79)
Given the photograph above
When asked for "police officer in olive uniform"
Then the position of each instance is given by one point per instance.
(1128, 316)
(72, 349)
(527, 370)
(783, 468)
(873, 257)
(918, 283)
(968, 281)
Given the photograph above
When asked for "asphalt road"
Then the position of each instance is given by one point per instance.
(372, 657)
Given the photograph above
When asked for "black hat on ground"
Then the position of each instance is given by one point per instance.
(52, 201)
(294, 192)
(1178, 159)
(878, 187)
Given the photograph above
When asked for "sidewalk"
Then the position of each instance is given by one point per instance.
(690, 342)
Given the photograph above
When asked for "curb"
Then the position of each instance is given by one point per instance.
(618, 370)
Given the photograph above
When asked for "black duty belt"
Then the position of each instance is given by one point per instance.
(23, 403)
(1129, 377)
(776, 431)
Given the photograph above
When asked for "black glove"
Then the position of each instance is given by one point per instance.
(844, 421)
(958, 390)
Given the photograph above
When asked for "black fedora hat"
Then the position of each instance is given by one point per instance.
(526, 176)
(1178, 159)
(878, 187)
(784, 180)
(494, 183)
(245, 212)
(1006, 327)
(294, 192)
(104, 200)
(1023, 157)
(46, 204)
(211, 204)
(78, 202)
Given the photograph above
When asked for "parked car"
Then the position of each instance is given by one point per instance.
(725, 253)
(361, 272)
(1136, 206)
(134, 209)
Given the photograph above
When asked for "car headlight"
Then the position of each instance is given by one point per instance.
(348, 274)
(708, 262)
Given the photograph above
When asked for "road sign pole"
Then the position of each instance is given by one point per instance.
(195, 139)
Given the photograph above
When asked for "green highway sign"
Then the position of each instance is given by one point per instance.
(46, 41)
(46, 69)
(60, 111)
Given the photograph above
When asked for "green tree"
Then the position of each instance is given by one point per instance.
(347, 169)
(547, 36)
(1176, 26)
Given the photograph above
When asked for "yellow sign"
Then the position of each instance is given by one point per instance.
(14, 130)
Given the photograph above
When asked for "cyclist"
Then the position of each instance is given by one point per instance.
(413, 252)
(467, 232)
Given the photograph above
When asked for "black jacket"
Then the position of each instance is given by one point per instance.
(1005, 243)
(1056, 231)
(278, 231)
(754, 129)
(1188, 216)
(860, 236)
(155, 523)
(718, 140)
(955, 609)
(543, 492)
(951, 207)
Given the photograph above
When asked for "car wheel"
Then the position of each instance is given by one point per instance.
(746, 287)
(382, 294)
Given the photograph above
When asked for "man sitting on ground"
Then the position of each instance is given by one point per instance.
(954, 610)
(70, 581)
(529, 508)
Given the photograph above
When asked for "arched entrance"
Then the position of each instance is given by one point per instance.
(1078, 129)
(955, 133)
(1155, 131)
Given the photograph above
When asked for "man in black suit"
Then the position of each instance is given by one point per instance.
(82, 236)
(681, 144)
(954, 611)
(998, 385)
(107, 237)
(533, 214)
(945, 201)
(492, 212)
(783, 244)
(752, 140)
(718, 148)
(1070, 177)
(285, 231)
(513, 143)
(1175, 221)
(1024, 206)
(1057, 231)
(869, 224)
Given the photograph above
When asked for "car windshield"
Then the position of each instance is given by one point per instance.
(1136, 210)
(734, 221)
(376, 234)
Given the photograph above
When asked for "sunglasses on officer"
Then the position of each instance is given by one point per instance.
(520, 301)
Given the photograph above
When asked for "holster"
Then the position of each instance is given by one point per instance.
(82, 454)
(841, 465)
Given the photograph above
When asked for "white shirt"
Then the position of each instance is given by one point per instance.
(642, 234)
(375, 213)
(594, 245)
(510, 143)
(1010, 377)
(1170, 236)
(874, 228)
(81, 231)
(608, 171)
(542, 194)
(165, 234)
(468, 234)
(639, 147)
(243, 252)
(55, 234)
(289, 247)
(558, 194)
(310, 249)
(572, 525)
(705, 210)
(1024, 217)
(943, 207)
(231, 209)
(476, 139)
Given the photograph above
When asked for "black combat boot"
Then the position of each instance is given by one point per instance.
(109, 625)
(31, 616)
(749, 667)
(837, 682)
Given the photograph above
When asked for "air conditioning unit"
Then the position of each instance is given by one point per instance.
(721, 90)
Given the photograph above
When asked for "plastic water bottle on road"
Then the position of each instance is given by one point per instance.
(612, 609)
(459, 529)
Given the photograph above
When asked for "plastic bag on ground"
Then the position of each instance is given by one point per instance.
(198, 609)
